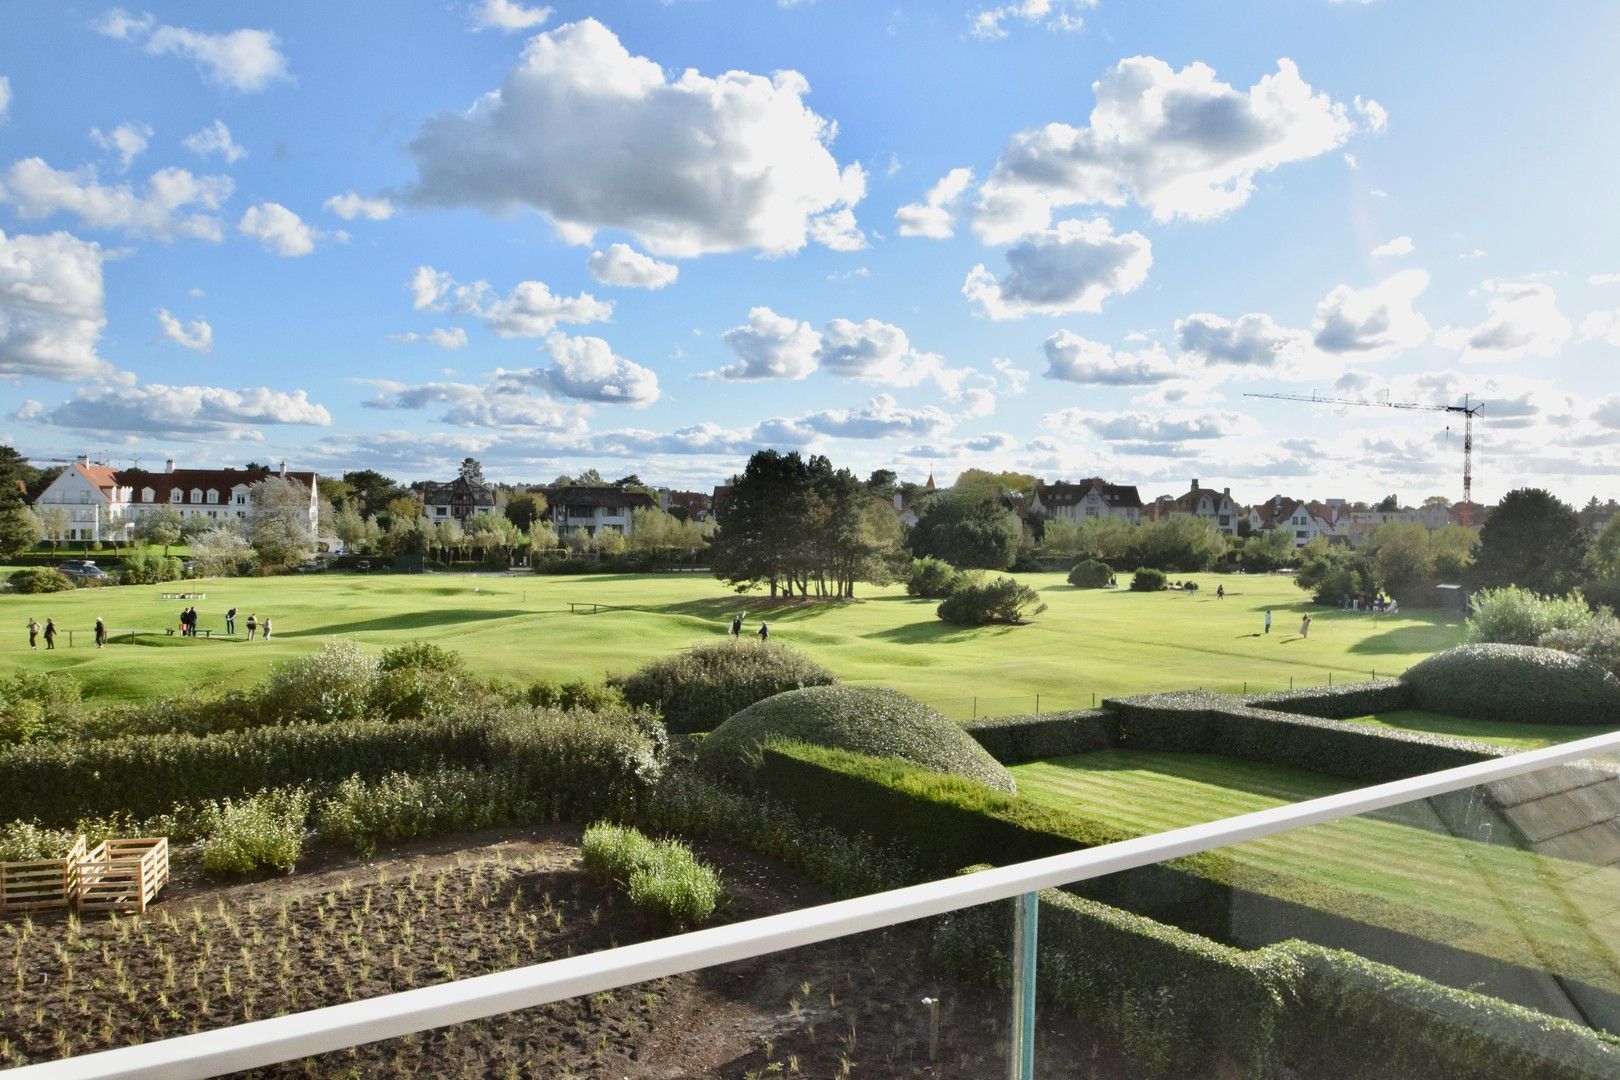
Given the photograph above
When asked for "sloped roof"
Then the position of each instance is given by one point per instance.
(185, 480)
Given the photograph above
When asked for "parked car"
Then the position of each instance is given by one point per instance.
(363, 565)
(309, 566)
(84, 570)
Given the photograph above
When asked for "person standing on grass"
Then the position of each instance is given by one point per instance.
(33, 632)
(736, 626)
(1268, 620)
(230, 621)
(50, 633)
(1305, 626)
(101, 633)
(1220, 592)
(252, 625)
(267, 628)
(764, 631)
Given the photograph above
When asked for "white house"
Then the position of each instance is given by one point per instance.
(1201, 502)
(104, 505)
(593, 510)
(1306, 521)
(1090, 498)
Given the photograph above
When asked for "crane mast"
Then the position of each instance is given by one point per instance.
(1468, 409)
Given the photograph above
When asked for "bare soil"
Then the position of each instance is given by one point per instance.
(209, 956)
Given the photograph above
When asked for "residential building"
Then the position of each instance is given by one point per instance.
(104, 504)
(1090, 498)
(1305, 520)
(698, 506)
(593, 509)
(459, 499)
(1201, 502)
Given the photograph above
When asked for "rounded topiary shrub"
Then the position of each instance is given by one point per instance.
(931, 578)
(697, 689)
(1090, 574)
(978, 601)
(1520, 683)
(40, 579)
(1147, 579)
(865, 719)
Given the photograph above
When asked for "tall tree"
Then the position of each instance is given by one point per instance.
(1533, 540)
(524, 508)
(966, 531)
(159, 525)
(760, 522)
(277, 523)
(19, 528)
(370, 491)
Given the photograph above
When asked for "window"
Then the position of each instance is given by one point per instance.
(213, 497)
(196, 495)
(176, 495)
(1302, 534)
(147, 494)
(241, 498)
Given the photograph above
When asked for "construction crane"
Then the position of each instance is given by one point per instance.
(1468, 409)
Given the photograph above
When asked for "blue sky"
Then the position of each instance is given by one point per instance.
(1060, 237)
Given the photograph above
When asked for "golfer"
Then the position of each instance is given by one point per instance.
(101, 634)
(1268, 620)
(33, 632)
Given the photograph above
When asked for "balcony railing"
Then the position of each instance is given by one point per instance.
(319, 1031)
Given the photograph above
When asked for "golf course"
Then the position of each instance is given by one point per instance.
(1089, 643)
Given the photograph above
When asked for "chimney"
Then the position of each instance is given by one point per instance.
(84, 459)
(283, 468)
(1195, 483)
(1227, 492)
(168, 465)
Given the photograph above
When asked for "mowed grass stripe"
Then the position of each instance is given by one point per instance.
(1531, 906)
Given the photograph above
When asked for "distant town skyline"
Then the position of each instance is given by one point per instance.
(1064, 238)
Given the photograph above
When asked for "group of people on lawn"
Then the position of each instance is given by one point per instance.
(188, 628)
(764, 631)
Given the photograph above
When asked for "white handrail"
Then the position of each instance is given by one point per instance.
(318, 1031)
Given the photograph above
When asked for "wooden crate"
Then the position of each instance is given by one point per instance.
(46, 883)
(123, 875)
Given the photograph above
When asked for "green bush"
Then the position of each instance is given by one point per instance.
(23, 841)
(1147, 579)
(1015, 739)
(143, 567)
(1597, 641)
(1517, 683)
(1090, 574)
(34, 706)
(198, 714)
(360, 814)
(698, 689)
(978, 602)
(40, 579)
(867, 719)
(260, 831)
(569, 763)
(931, 578)
(578, 694)
(334, 683)
(662, 878)
(1515, 616)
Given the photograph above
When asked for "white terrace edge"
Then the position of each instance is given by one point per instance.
(336, 1027)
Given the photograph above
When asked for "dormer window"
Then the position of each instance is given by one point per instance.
(147, 494)
(196, 495)
(213, 495)
(176, 495)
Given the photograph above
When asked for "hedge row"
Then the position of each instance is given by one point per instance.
(1015, 739)
(1180, 1004)
(1205, 723)
(1516, 683)
(1342, 702)
(584, 764)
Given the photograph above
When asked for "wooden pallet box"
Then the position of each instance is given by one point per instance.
(43, 883)
(123, 875)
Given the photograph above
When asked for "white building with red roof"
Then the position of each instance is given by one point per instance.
(104, 504)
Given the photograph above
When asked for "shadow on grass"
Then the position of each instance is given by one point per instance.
(1433, 633)
(934, 631)
(411, 620)
(724, 607)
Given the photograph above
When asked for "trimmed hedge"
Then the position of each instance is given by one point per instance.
(1180, 1004)
(697, 690)
(931, 578)
(1147, 579)
(1015, 739)
(1518, 683)
(1090, 574)
(581, 764)
(1342, 702)
(41, 579)
(867, 719)
(1205, 723)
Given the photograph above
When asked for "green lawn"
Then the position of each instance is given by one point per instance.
(1539, 911)
(1518, 736)
(1090, 642)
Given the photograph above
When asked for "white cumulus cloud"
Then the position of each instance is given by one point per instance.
(243, 60)
(1254, 342)
(52, 307)
(214, 139)
(279, 230)
(586, 368)
(935, 216)
(175, 203)
(184, 411)
(1523, 321)
(580, 124)
(351, 204)
(1376, 322)
(1072, 358)
(880, 418)
(623, 265)
(128, 141)
(453, 338)
(1182, 143)
(1071, 267)
(507, 16)
(992, 22)
(770, 346)
(1401, 245)
(195, 335)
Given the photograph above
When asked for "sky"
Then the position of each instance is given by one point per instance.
(1066, 237)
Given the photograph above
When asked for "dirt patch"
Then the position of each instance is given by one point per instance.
(207, 957)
